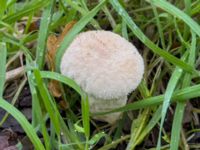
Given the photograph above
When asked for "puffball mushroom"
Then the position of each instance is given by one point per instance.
(106, 66)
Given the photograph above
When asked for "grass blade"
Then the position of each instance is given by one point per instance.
(84, 98)
(2, 7)
(23, 122)
(180, 95)
(3, 55)
(57, 120)
(43, 33)
(178, 13)
(137, 126)
(15, 98)
(72, 84)
(172, 59)
(85, 117)
(160, 30)
(37, 116)
(63, 79)
(30, 8)
(124, 30)
(178, 117)
(83, 11)
(47, 100)
(154, 120)
(176, 126)
(171, 86)
(167, 98)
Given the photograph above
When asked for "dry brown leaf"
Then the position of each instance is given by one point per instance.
(52, 46)
(66, 30)
(55, 88)
(34, 26)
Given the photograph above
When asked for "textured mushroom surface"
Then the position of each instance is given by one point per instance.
(104, 64)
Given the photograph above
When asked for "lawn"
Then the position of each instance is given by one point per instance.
(42, 109)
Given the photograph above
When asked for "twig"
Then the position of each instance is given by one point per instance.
(15, 73)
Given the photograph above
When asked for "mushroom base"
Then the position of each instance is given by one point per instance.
(103, 105)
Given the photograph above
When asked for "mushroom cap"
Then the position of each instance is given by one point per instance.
(103, 63)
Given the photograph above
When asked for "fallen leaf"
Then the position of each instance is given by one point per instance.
(53, 43)
(34, 26)
(65, 31)
(54, 87)
(52, 47)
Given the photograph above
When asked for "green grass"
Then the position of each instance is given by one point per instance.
(43, 33)
(168, 37)
(2, 67)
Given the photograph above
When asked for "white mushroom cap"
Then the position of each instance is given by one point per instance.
(104, 64)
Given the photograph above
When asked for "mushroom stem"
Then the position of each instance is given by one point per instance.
(103, 105)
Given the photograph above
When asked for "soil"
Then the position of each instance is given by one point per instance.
(10, 131)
